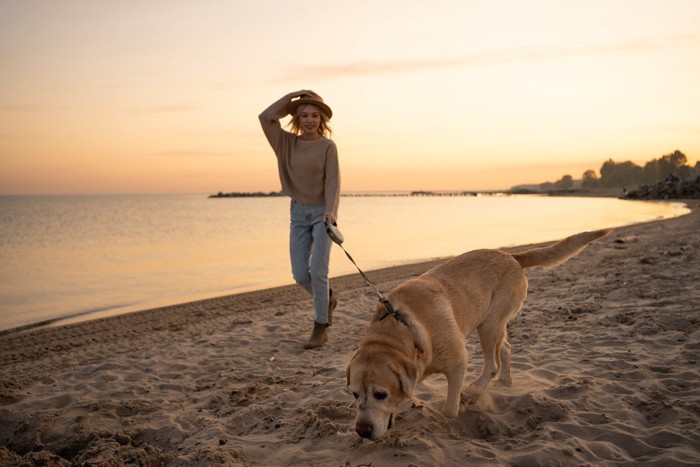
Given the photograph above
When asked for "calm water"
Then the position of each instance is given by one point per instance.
(79, 257)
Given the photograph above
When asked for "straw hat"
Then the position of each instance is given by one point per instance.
(313, 100)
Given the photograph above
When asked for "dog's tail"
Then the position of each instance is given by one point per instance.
(560, 251)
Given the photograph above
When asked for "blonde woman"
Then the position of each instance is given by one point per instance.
(307, 161)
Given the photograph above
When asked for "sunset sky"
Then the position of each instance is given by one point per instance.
(131, 96)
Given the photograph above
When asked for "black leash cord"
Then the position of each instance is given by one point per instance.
(337, 238)
(364, 276)
(385, 301)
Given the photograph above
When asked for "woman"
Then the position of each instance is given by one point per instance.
(307, 162)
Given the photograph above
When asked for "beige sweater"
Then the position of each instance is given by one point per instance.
(309, 171)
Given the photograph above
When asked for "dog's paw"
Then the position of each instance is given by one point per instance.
(470, 395)
(450, 410)
(503, 382)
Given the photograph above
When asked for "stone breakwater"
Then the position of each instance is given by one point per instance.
(671, 188)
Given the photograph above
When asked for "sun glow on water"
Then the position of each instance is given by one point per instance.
(87, 256)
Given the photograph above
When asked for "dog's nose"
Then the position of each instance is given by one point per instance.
(364, 429)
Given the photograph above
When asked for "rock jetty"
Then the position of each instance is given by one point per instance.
(257, 194)
(671, 188)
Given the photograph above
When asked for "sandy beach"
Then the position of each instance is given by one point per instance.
(605, 372)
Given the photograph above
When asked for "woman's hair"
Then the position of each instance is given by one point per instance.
(324, 129)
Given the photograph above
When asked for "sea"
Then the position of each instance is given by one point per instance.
(70, 258)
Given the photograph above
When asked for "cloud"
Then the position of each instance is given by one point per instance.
(32, 107)
(169, 108)
(29, 108)
(196, 153)
(518, 54)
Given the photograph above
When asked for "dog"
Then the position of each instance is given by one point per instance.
(423, 327)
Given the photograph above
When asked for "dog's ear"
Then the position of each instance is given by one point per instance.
(347, 367)
(408, 374)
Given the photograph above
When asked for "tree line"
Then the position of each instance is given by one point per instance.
(628, 174)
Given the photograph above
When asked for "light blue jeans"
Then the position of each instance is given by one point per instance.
(310, 252)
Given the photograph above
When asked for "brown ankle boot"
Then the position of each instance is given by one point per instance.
(319, 336)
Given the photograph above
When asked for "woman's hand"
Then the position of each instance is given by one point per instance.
(304, 93)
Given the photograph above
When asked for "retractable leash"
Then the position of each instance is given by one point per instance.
(337, 237)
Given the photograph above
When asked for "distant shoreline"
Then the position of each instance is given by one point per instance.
(256, 194)
(670, 188)
(608, 193)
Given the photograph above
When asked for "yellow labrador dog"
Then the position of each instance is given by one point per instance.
(424, 329)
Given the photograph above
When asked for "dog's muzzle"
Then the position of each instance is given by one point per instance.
(366, 430)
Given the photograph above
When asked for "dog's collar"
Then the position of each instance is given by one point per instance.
(394, 314)
(390, 311)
